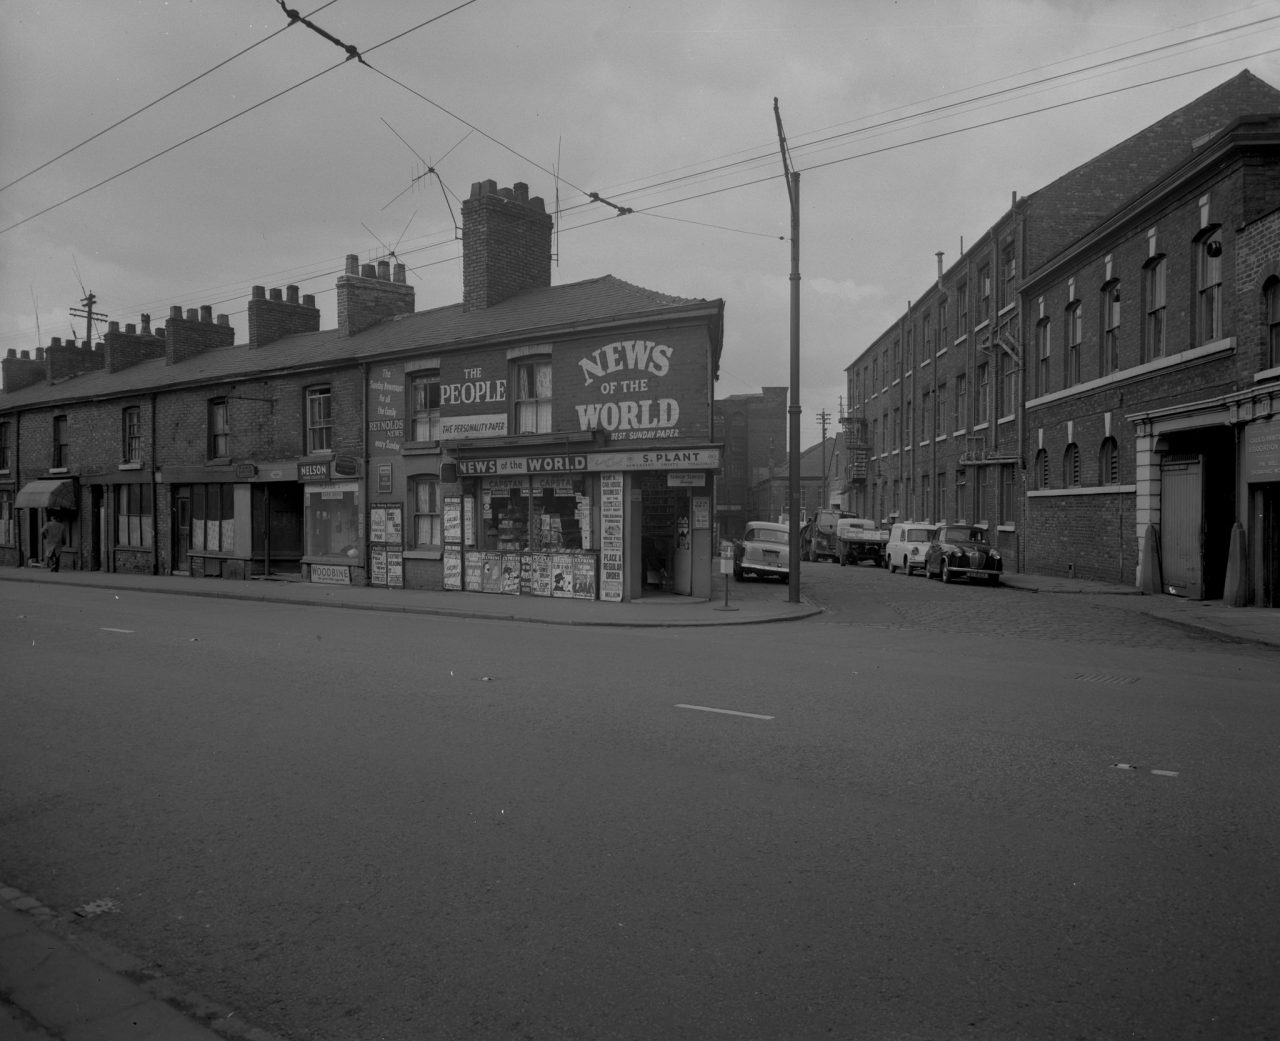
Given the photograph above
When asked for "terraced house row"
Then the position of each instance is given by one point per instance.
(530, 440)
(1096, 380)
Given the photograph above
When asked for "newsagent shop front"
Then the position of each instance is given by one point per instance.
(599, 526)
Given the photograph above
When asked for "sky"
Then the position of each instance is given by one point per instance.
(911, 123)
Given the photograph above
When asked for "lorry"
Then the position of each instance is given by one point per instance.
(818, 539)
(861, 539)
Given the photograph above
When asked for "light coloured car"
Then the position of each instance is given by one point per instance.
(908, 544)
(764, 550)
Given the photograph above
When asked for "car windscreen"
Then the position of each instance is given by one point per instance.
(767, 536)
(964, 535)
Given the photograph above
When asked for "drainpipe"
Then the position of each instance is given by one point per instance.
(363, 525)
(155, 527)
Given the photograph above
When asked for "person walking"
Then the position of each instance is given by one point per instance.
(52, 533)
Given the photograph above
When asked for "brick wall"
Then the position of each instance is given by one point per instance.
(273, 318)
(195, 334)
(1092, 536)
(506, 244)
(370, 294)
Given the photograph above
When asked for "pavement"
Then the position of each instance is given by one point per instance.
(60, 982)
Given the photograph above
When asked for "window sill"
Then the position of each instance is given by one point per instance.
(424, 554)
(129, 466)
(1006, 309)
(57, 469)
(1258, 377)
(421, 448)
(1006, 527)
(1006, 419)
(219, 461)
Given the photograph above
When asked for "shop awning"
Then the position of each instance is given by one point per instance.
(47, 495)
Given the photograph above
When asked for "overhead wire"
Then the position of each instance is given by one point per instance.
(152, 104)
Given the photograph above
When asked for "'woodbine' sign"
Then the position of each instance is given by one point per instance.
(622, 372)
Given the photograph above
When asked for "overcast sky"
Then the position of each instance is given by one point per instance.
(664, 106)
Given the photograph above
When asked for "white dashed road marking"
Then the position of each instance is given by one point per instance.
(725, 711)
(106, 630)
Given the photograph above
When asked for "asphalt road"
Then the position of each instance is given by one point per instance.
(942, 813)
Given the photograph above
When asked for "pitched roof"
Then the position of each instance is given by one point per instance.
(534, 314)
(1066, 208)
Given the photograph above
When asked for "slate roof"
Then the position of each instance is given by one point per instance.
(532, 315)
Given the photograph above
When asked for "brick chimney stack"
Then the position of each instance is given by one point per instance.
(370, 293)
(274, 318)
(506, 244)
(195, 334)
(19, 371)
(62, 360)
(128, 348)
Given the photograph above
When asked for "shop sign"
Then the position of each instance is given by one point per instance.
(460, 428)
(1262, 451)
(313, 471)
(671, 459)
(246, 471)
(686, 480)
(331, 574)
(522, 464)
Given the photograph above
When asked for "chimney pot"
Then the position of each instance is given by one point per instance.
(368, 271)
(223, 320)
(206, 313)
(40, 354)
(384, 270)
(398, 274)
(56, 342)
(291, 294)
(276, 295)
(175, 312)
(146, 323)
(308, 300)
(25, 354)
(131, 329)
(114, 327)
(192, 315)
(521, 191)
(259, 293)
(353, 264)
(12, 353)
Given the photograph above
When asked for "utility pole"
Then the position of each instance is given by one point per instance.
(793, 410)
(88, 314)
(824, 417)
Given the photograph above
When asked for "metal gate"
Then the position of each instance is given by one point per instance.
(1182, 524)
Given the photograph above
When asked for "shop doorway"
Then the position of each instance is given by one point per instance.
(182, 530)
(277, 529)
(666, 544)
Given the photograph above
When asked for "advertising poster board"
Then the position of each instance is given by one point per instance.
(611, 537)
(584, 576)
(452, 519)
(452, 568)
(472, 571)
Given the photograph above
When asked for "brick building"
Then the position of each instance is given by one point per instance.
(753, 428)
(531, 439)
(1129, 382)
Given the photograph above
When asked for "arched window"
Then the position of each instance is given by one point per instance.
(1040, 473)
(1044, 346)
(1153, 302)
(1073, 335)
(1271, 298)
(1109, 462)
(1071, 466)
(1109, 345)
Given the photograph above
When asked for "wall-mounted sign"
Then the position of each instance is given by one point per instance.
(246, 471)
(345, 466)
(386, 408)
(628, 376)
(331, 574)
(313, 471)
(671, 459)
(460, 428)
(532, 464)
(686, 480)
(1262, 451)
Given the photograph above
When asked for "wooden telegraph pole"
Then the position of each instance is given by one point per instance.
(88, 314)
(793, 410)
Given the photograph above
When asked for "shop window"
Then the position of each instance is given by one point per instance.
(532, 379)
(131, 435)
(4, 446)
(219, 430)
(213, 509)
(134, 515)
(1209, 289)
(1109, 345)
(535, 514)
(6, 518)
(1271, 293)
(1153, 291)
(425, 405)
(333, 520)
(427, 530)
(1071, 467)
(1109, 462)
(1073, 334)
(61, 446)
(319, 420)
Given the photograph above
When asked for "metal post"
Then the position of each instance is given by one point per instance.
(793, 410)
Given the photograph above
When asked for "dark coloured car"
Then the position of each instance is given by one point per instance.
(961, 551)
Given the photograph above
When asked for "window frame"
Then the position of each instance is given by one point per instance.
(983, 400)
(319, 427)
(1071, 466)
(1044, 355)
(1109, 461)
(984, 292)
(1271, 319)
(427, 413)
(536, 365)
(5, 447)
(1040, 468)
(219, 429)
(61, 456)
(131, 434)
(1155, 331)
(1109, 341)
(434, 518)
(1073, 338)
(135, 516)
(1209, 287)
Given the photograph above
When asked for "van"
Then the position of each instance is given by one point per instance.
(908, 543)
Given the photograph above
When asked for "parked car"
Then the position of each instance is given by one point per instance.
(860, 539)
(958, 550)
(764, 549)
(908, 545)
(818, 537)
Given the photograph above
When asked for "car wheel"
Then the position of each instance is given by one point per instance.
(893, 568)
(993, 580)
(946, 572)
